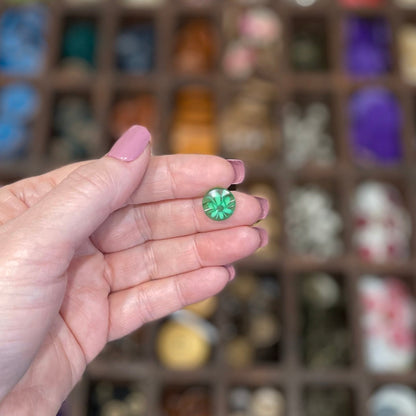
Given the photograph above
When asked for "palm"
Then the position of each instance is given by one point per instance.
(85, 309)
(146, 260)
(80, 329)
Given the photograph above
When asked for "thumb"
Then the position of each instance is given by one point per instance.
(73, 210)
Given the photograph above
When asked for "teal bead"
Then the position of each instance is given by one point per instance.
(79, 41)
(218, 204)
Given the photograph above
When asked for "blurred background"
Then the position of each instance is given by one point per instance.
(318, 97)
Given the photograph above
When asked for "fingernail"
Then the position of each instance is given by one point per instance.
(239, 170)
(231, 271)
(265, 206)
(264, 237)
(131, 144)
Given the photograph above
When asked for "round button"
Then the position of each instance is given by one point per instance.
(182, 347)
(394, 399)
(205, 308)
(218, 204)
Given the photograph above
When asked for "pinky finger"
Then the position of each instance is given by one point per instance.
(131, 308)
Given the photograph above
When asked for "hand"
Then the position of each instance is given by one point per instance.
(92, 251)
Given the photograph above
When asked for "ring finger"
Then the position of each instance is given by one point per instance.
(163, 258)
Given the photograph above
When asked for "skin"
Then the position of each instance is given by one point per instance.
(92, 251)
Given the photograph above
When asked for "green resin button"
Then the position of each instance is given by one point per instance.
(218, 204)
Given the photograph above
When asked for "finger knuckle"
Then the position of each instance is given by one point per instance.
(89, 182)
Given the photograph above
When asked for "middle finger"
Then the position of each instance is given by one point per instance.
(163, 258)
(136, 224)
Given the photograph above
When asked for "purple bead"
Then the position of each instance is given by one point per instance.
(367, 50)
(375, 126)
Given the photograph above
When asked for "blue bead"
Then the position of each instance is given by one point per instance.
(23, 40)
(13, 139)
(18, 102)
(135, 48)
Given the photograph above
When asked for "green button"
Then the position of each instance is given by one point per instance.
(218, 204)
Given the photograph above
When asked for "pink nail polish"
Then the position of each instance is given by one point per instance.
(264, 237)
(231, 271)
(265, 207)
(131, 144)
(239, 170)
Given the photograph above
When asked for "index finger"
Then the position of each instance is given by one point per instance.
(167, 177)
(186, 176)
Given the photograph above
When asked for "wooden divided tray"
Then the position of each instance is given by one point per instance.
(288, 373)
